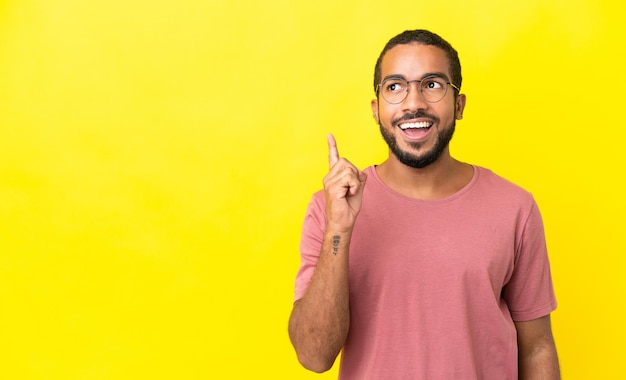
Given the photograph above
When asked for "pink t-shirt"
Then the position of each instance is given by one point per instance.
(436, 285)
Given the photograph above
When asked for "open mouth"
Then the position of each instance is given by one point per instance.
(420, 125)
(416, 130)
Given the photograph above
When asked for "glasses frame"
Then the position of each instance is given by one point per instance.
(419, 88)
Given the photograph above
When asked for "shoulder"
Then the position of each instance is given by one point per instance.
(318, 200)
(495, 192)
(498, 186)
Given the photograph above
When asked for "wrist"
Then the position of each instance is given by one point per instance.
(339, 229)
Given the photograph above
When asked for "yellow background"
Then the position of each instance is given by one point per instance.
(156, 159)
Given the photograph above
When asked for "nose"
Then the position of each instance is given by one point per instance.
(414, 100)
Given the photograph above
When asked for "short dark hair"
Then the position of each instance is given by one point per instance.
(424, 37)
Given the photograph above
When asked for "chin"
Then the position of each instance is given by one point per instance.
(418, 161)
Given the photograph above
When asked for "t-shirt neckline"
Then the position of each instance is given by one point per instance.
(371, 173)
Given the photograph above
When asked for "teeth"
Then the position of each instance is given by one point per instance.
(423, 124)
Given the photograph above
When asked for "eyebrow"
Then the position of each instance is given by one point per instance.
(431, 74)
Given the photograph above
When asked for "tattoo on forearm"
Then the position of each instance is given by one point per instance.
(336, 240)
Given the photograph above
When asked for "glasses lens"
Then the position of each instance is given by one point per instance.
(394, 90)
(433, 89)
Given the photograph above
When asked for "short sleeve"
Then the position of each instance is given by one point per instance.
(529, 293)
(311, 240)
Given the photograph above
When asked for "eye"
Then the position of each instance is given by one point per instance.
(394, 86)
(433, 83)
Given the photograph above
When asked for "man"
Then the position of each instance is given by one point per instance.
(436, 269)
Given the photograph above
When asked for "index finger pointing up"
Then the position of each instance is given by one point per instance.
(333, 153)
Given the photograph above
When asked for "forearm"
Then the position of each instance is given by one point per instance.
(320, 321)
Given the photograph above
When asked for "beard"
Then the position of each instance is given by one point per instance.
(426, 158)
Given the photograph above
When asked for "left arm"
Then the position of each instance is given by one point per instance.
(537, 352)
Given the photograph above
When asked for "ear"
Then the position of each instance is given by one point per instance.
(375, 109)
(460, 106)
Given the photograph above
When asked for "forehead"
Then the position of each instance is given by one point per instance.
(414, 60)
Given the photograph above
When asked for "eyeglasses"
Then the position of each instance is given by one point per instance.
(431, 88)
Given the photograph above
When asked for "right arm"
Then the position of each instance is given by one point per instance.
(320, 321)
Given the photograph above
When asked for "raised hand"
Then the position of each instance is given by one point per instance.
(343, 186)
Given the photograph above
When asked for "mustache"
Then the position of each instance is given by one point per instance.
(410, 116)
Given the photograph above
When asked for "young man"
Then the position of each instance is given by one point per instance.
(436, 269)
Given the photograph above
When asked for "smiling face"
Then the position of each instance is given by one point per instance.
(416, 131)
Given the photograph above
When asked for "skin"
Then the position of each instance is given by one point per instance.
(320, 321)
(538, 359)
(446, 175)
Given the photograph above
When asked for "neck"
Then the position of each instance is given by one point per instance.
(441, 179)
